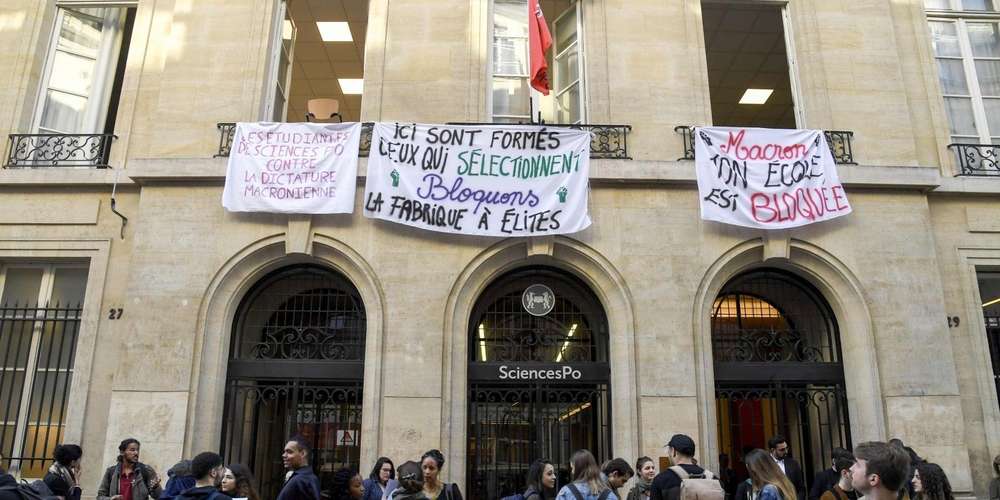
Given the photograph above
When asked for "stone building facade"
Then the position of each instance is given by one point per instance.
(894, 292)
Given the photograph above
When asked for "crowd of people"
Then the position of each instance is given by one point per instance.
(874, 470)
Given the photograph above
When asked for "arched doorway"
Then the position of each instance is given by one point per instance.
(538, 379)
(778, 369)
(296, 366)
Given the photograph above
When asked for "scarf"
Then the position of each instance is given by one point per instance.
(63, 472)
(641, 488)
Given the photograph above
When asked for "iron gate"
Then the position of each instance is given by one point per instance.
(296, 368)
(513, 422)
(262, 414)
(512, 426)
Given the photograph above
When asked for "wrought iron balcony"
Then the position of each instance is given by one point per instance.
(58, 150)
(606, 141)
(838, 140)
(977, 160)
(228, 129)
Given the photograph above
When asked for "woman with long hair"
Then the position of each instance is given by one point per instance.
(378, 479)
(237, 482)
(63, 477)
(645, 470)
(435, 489)
(346, 485)
(766, 479)
(931, 483)
(586, 479)
(541, 481)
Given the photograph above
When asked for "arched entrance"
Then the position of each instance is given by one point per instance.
(778, 369)
(296, 366)
(538, 379)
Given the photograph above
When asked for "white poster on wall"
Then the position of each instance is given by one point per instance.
(304, 168)
(492, 180)
(767, 178)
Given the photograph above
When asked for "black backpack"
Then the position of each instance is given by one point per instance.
(36, 490)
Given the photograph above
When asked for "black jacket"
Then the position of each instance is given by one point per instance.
(7, 480)
(794, 472)
(202, 493)
(303, 485)
(824, 480)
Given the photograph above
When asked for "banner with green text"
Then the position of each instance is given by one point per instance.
(491, 180)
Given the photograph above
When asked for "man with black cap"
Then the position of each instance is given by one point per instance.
(667, 484)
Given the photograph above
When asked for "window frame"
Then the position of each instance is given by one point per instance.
(30, 370)
(960, 19)
(535, 98)
(276, 49)
(95, 116)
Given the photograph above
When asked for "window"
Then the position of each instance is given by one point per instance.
(966, 39)
(40, 314)
(84, 70)
(512, 98)
(281, 63)
(749, 64)
(989, 294)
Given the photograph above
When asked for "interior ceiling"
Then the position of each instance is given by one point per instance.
(317, 65)
(746, 49)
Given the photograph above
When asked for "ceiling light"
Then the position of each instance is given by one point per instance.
(990, 303)
(351, 86)
(756, 96)
(334, 31)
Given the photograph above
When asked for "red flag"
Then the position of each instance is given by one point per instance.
(539, 41)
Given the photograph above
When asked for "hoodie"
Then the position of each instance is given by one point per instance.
(6, 481)
(202, 493)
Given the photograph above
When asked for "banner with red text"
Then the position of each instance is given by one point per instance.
(767, 178)
(491, 180)
(303, 168)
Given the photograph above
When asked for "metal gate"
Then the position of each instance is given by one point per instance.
(262, 414)
(778, 370)
(296, 368)
(533, 414)
(512, 426)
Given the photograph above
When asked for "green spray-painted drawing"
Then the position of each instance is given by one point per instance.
(562, 192)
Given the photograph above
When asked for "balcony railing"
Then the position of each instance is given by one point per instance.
(58, 150)
(977, 160)
(227, 130)
(838, 140)
(606, 141)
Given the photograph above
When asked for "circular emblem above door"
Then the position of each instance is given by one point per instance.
(538, 300)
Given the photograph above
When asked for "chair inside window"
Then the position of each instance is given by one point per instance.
(322, 110)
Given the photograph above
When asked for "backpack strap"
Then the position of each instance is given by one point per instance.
(604, 494)
(576, 493)
(681, 473)
(708, 474)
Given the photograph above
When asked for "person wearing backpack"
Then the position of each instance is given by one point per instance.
(685, 480)
(207, 469)
(769, 482)
(587, 483)
(129, 479)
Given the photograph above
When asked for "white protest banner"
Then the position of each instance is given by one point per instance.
(767, 178)
(303, 168)
(492, 180)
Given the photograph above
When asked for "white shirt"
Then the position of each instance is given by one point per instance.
(781, 464)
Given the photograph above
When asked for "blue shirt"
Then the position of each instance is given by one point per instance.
(303, 485)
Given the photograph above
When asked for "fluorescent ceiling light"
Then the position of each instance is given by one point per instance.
(756, 96)
(351, 86)
(482, 341)
(572, 330)
(334, 31)
(990, 303)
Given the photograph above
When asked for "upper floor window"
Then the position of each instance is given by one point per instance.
(966, 39)
(84, 70)
(749, 60)
(40, 316)
(512, 100)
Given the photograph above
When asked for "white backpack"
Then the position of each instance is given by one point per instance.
(699, 486)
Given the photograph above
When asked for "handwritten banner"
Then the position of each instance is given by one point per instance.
(306, 168)
(492, 180)
(767, 178)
